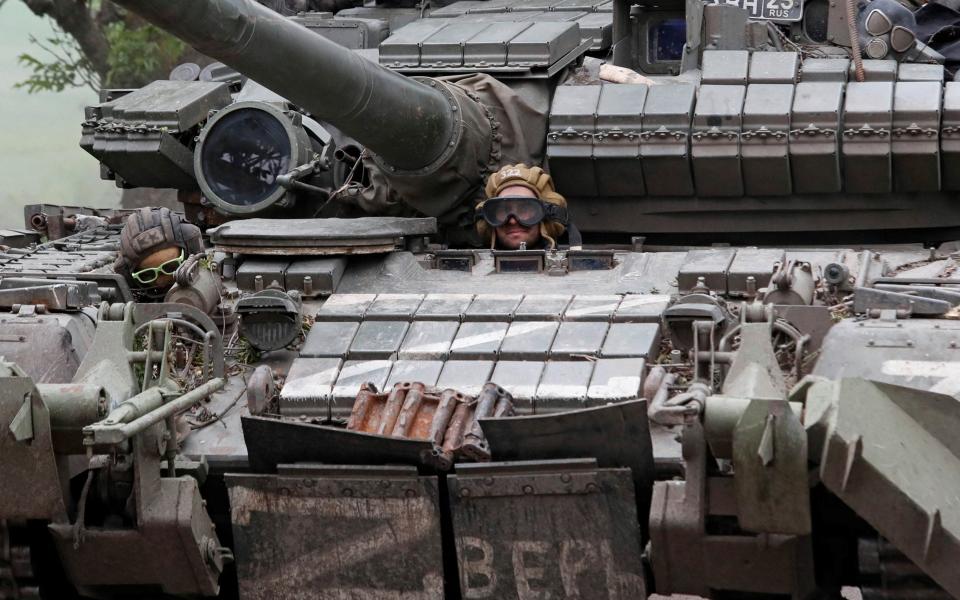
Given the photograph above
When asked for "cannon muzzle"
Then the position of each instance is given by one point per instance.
(408, 124)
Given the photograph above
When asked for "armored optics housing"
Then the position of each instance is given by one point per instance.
(242, 153)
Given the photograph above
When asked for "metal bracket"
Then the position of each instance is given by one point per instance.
(763, 133)
(812, 130)
(914, 130)
(715, 133)
(663, 133)
(867, 131)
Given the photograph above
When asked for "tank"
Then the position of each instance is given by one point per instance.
(741, 384)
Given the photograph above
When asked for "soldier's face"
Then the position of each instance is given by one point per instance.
(511, 234)
(155, 260)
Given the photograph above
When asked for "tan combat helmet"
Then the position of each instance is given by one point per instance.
(534, 179)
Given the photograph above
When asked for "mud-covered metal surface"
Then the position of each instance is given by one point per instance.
(546, 527)
(327, 532)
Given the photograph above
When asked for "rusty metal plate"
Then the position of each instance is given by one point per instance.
(446, 418)
(337, 533)
(515, 537)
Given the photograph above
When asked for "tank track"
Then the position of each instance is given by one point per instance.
(890, 575)
(17, 581)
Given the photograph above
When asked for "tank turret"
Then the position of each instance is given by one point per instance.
(408, 124)
(748, 137)
(430, 138)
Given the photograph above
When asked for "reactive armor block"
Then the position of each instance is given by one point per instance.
(867, 118)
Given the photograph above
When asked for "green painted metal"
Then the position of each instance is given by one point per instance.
(892, 454)
(770, 457)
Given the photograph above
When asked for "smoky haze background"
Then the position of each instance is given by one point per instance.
(40, 156)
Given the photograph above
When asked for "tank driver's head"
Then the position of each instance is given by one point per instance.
(153, 244)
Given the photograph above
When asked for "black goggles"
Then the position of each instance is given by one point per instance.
(527, 211)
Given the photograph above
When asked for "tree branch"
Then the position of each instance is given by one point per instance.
(76, 19)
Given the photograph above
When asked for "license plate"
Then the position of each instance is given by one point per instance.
(768, 10)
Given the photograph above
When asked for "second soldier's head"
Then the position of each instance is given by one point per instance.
(522, 210)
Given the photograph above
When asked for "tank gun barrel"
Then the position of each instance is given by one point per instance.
(408, 124)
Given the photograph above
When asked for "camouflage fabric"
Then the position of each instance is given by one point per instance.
(152, 229)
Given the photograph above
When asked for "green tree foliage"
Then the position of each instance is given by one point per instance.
(139, 55)
(95, 44)
(63, 66)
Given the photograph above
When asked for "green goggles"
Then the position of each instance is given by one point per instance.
(151, 274)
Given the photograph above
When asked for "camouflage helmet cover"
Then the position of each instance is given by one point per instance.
(151, 229)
